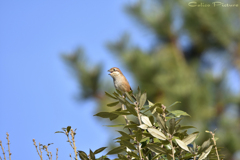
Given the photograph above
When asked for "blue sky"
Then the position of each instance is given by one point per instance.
(36, 90)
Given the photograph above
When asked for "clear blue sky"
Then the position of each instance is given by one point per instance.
(36, 89)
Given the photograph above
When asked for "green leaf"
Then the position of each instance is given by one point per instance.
(92, 156)
(150, 108)
(156, 148)
(174, 103)
(144, 139)
(138, 135)
(116, 150)
(116, 94)
(120, 156)
(156, 140)
(188, 156)
(182, 144)
(132, 122)
(109, 95)
(151, 118)
(117, 125)
(103, 158)
(138, 94)
(112, 104)
(146, 120)
(186, 127)
(178, 121)
(146, 134)
(133, 155)
(142, 100)
(205, 153)
(161, 122)
(156, 156)
(131, 126)
(106, 115)
(59, 132)
(143, 126)
(68, 128)
(205, 145)
(124, 101)
(179, 113)
(150, 103)
(194, 146)
(125, 135)
(156, 133)
(119, 92)
(123, 112)
(129, 97)
(172, 124)
(99, 150)
(159, 110)
(128, 144)
(131, 109)
(190, 138)
(83, 155)
(114, 116)
(50, 144)
(168, 146)
(181, 135)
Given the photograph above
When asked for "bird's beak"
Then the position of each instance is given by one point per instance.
(109, 71)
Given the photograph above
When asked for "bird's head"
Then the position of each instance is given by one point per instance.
(114, 72)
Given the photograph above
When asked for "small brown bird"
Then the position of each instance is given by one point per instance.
(119, 80)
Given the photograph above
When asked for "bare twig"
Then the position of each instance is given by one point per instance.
(139, 150)
(70, 142)
(171, 137)
(3, 150)
(164, 115)
(172, 147)
(9, 146)
(125, 117)
(138, 113)
(40, 149)
(57, 154)
(123, 108)
(48, 154)
(34, 143)
(0, 158)
(214, 141)
(74, 146)
(140, 122)
(70, 156)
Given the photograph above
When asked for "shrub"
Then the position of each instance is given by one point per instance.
(156, 133)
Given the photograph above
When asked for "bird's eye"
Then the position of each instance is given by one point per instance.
(114, 69)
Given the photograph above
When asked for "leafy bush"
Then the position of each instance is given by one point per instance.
(157, 134)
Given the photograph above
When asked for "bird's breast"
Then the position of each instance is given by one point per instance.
(122, 85)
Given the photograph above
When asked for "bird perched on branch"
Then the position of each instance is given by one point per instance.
(119, 80)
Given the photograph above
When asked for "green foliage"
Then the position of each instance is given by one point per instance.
(157, 135)
(154, 135)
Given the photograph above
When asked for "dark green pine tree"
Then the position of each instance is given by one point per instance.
(180, 65)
